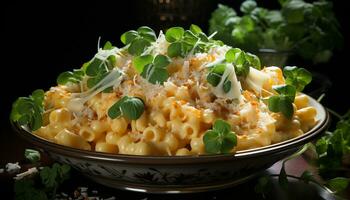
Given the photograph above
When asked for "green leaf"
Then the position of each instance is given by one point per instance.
(195, 29)
(221, 126)
(32, 155)
(227, 86)
(230, 55)
(264, 185)
(64, 173)
(212, 141)
(66, 77)
(253, 60)
(129, 107)
(240, 58)
(25, 190)
(204, 38)
(298, 77)
(108, 90)
(38, 96)
(155, 75)
(219, 69)
(138, 46)
(337, 142)
(139, 62)
(282, 2)
(115, 111)
(222, 21)
(91, 82)
(238, 34)
(147, 33)
(286, 107)
(128, 37)
(132, 108)
(161, 61)
(242, 69)
(108, 46)
(95, 67)
(282, 178)
(274, 18)
(111, 62)
(273, 103)
(221, 139)
(29, 110)
(293, 11)
(322, 145)
(175, 49)
(190, 39)
(229, 141)
(247, 23)
(248, 6)
(338, 184)
(307, 176)
(284, 101)
(71, 77)
(156, 72)
(286, 90)
(213, 79)
(174, 34)
(49, 175)
(53, 176)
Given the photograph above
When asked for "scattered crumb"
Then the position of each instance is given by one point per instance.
(12, 167)
(30, 171)
(82, 193)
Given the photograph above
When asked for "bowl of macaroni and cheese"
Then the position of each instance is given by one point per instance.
(177, 112)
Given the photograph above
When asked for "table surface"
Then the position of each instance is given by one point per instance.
(12, 148)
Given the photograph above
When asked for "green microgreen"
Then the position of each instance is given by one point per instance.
(220, 139)
(129, 107)
(29, 110)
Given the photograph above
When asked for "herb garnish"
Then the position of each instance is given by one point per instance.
(139, 40)
(187, 42)
(129, 107)
(296, 80)
(29, 110)
(42, 185)
(299, 77)
(220, 139)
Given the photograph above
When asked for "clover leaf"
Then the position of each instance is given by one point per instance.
(220, 139)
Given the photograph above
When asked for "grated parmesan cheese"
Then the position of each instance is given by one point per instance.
(12, 167)
(30, 171)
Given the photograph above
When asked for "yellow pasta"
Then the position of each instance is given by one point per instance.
(70, 139)
(176, 112)
(112, 138)
(140, 124)
(301, 101)
(119, 125)
(106, 147)
(183, 152)
(197, 146)
(158, 118)
(60, 116)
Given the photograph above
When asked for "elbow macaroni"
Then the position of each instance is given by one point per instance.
(177, 115)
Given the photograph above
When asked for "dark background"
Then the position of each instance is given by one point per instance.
(40, 40)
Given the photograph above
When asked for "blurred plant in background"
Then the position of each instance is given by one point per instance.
(309, 30)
